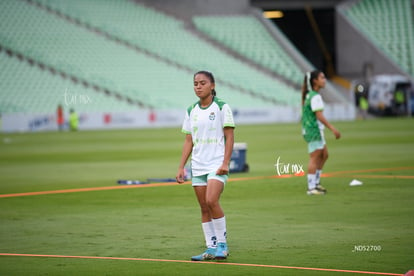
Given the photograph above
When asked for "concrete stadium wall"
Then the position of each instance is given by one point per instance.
(20, 122)
(188, 8)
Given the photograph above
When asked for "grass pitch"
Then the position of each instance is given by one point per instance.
(271, 221)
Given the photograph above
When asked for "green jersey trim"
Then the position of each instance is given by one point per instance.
(216, 100)
(191, 107)
(219, 102)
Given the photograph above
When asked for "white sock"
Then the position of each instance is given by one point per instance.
(209, 234)
(220, 229)
(311, 181)
(318, 177)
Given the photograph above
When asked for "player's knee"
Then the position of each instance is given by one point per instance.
(212, 204)
(325, 155)
(205, 208)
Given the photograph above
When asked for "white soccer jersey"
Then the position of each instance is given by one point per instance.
(317, 105)
(206, 128)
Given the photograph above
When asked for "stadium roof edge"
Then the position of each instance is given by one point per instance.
(294, 4)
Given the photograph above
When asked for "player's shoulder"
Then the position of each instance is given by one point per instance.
(191, 107)
(312, 94)
(316, 97)
(220, 102)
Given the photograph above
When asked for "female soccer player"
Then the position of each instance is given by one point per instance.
(209, 129)
(313, 123)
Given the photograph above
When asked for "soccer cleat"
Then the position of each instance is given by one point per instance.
(222, 251)
(319, 187)
(209, 254)
(315, 192)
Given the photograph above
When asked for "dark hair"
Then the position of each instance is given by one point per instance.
(210, 77)
(308, 83)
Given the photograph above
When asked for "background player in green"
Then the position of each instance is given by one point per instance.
(209, 129)
(73, 120)
(313, 123)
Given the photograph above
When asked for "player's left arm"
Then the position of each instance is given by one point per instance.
(323, 120)
(229, 138)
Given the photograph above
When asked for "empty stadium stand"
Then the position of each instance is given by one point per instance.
(27, 88)
(126, 55)
(144, 28)
(389, 25)
(247, 36)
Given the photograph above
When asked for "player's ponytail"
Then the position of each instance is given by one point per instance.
(308, 83)
(305, 87)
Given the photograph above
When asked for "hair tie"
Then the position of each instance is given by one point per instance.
(308, 82)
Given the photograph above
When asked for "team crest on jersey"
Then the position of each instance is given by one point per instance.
(212, 116)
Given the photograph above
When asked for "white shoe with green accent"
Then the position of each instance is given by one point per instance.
(315, 192)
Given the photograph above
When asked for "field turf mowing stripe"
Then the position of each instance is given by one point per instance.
(89, 189)
(368, 170)
(376, 176)
(332, 174)
(183, 261)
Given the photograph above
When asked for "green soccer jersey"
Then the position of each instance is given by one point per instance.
(311, 127)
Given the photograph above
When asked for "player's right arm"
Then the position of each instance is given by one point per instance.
(187, 149)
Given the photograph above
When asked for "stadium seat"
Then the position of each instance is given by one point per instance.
(145, 28)
(247, 36)
(27, 88)
(389, 25)
(95, 47)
